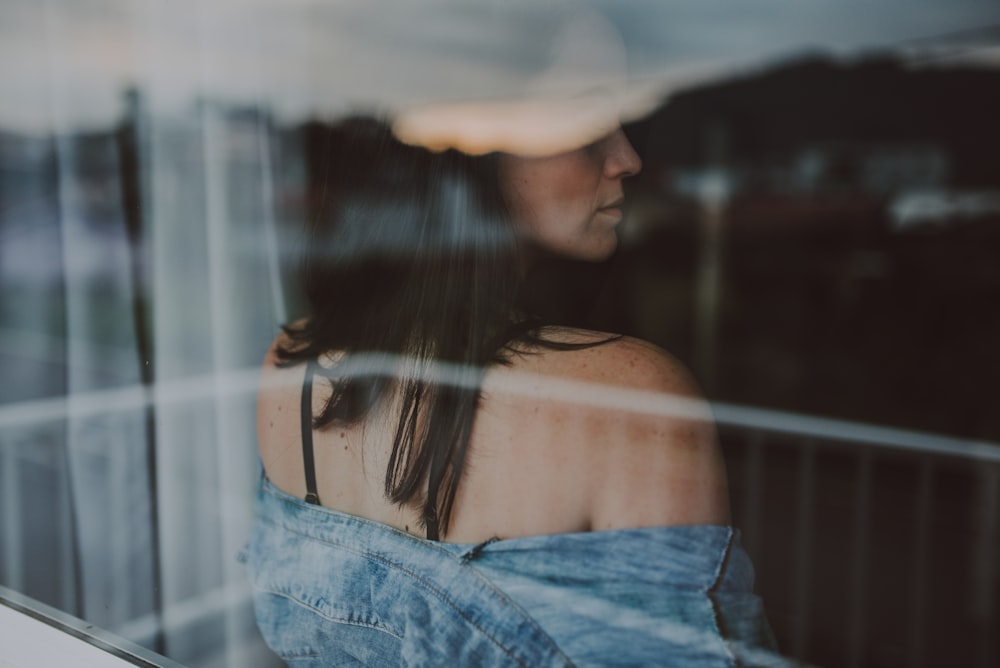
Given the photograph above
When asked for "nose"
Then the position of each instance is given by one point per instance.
(620, 158)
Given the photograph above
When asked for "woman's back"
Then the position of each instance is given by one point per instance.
(558, 445)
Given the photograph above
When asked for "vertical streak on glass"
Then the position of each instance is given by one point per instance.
(223, 319)
(859, 562)
(984, 570)
(713, 195)
(218, 290)
(133, 166)
(752, 486)
(11, 567)
(69, 557)
(708, 284)
(803, 550)
(921, 566)
(270, 232)
(150, 282)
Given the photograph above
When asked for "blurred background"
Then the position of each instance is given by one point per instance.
(816, 233)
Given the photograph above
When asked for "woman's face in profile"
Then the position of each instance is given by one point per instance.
(571, 203)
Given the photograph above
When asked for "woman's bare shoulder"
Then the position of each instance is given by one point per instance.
(637, 422)
(622, 361)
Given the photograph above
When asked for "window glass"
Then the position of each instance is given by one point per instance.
(814, 233)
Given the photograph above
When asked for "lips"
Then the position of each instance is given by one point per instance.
(617, 204)
(613, 209)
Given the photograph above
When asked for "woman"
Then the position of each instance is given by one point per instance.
(448, 479)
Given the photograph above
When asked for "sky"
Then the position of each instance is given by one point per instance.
(64, 63)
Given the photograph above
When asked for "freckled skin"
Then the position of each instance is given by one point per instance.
(588, 467)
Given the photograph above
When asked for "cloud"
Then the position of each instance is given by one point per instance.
(65, 62)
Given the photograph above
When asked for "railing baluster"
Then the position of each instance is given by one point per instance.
(118, 462)
(11, 567)
(984, 567)
(921, 566)
(859, 562)
(803, 550)
(68, 554)
(752, 486)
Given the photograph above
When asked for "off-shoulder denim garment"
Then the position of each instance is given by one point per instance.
(334, 589)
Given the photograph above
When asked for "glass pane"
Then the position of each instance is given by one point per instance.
(813, 233)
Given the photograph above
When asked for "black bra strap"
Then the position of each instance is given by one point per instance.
(307, 435)
(307, 450)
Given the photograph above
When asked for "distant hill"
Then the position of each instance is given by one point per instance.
(819, 100)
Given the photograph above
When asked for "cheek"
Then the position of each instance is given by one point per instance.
(555, 194)
(553, 200)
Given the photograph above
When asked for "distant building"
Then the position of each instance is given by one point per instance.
(875, 169)
(919, 208)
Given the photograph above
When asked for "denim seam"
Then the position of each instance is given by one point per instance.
(711, 592)
(339, 620)
(438, 592)
(720, 568)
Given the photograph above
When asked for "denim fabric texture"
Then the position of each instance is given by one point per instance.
(334, 589)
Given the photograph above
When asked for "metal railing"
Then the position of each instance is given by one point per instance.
(748, 433)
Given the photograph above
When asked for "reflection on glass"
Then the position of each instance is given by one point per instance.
(812, 232)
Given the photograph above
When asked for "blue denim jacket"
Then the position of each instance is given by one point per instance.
(334, 589)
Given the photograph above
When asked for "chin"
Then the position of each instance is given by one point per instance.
(593, 255)
(599, 252)
(592, 249)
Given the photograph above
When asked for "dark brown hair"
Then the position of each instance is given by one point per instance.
(410, 253)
